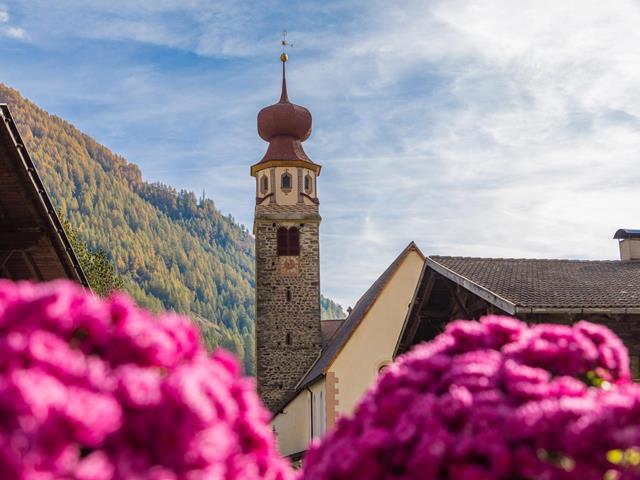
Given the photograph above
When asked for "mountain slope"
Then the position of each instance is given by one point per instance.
(152, 232)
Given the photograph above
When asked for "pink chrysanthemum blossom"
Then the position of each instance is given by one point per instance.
(492, 400)
(94, 389)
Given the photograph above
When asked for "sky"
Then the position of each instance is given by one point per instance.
(500, 128)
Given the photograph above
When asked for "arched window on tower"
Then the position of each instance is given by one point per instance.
(307, 183)
(265, 184)
(286, 181)
(288, 241)
(294, 241)
(283, 241)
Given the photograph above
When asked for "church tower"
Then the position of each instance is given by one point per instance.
(286, 228)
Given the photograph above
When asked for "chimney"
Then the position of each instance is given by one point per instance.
(629, 241)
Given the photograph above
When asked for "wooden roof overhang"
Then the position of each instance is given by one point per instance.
(33, 243)
(429, 310)
(441, 296)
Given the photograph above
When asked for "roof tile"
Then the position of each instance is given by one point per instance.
(553, 283)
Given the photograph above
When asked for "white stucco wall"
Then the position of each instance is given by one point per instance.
(373, 342)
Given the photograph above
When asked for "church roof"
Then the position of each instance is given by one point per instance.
(522, 285)
(33, 243)
(342, 335)
(285, 126)
(328, 329)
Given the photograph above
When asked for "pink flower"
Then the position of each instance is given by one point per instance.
(493, 400)
(94, 389)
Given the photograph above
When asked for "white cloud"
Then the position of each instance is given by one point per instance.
(15, 32)
(206, 27)
(531, 148)
(9, 30)
(494, 128)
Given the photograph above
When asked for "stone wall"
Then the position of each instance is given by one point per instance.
(288, 337)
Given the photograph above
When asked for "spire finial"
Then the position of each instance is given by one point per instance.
(283, 58)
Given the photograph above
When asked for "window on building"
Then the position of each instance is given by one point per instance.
(286, 181)
(294, 241)
(635, 367)
(323, 421)
(288, 241)
(289, 339)
(288, 294)
(283, 241)
(307, 184)
(318, 409)
(265, 184)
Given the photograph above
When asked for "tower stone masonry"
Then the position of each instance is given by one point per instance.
(286, 228)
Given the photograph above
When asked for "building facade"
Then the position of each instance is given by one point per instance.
(416, 297)
(286, 227)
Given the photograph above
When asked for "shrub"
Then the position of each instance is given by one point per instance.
(94, 389)
(494, 399)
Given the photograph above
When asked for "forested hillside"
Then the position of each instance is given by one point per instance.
(174, 251)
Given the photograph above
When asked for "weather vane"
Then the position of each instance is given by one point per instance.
(284, 57)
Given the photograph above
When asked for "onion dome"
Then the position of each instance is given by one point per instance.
(285, 126)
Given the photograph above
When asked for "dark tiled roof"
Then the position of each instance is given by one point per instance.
(532, 283)
(353, 320)
(627, 233)
(33, 243)
(328, 328)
